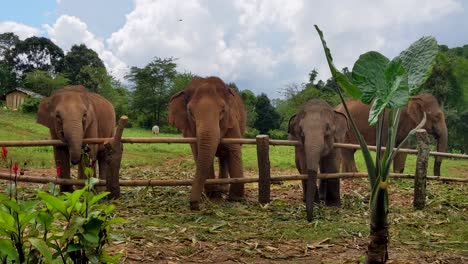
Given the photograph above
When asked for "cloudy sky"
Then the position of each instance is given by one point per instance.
(261, 45)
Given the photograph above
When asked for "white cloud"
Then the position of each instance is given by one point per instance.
(21, 30)
(262, 44)
(69, 30)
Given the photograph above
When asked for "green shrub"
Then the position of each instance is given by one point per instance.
(30, 105)
(169, 130)
(251, 132)
(277, 134)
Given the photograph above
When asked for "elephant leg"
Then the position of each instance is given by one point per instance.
(104, 170)
(62, 159)
(234, 162)
(347, 160)
(212, 191)
(223, 172)
(399, 161)
(330, 188)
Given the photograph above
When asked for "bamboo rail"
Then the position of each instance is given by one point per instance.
(175, 140)
(188, 182)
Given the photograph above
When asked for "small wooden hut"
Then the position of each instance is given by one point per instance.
(16, 97)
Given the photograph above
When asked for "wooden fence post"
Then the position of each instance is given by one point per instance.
(263, 158)
(420, 177)
(114, 149)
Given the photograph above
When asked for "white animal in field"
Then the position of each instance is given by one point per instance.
(155, 130)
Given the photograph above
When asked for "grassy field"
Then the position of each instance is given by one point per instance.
(17, 126)
(161, 228)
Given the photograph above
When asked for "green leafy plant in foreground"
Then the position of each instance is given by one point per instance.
(386, 84)
(66, 228)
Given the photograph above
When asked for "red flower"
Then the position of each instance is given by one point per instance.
(4, 153)
(15, 168)
(59, 170)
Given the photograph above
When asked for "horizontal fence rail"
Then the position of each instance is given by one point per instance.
(188, 182)
(174, 140)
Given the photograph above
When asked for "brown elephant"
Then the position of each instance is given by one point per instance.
(72, 114)
(411, 116)
(317, 126)
(209, 110)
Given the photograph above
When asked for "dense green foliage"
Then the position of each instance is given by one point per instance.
(267, 118)
(449, 84)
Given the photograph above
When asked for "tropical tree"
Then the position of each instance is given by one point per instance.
(81, 64)
(152, 90)
(180, 81)
(42, 83)
(8, 41)
(267, 116)
(386, 84)
(35, 53)
(249, 99)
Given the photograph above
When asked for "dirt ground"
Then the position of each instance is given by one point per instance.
(175, 248)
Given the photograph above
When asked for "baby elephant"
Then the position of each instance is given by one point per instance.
(317, 126)
(155, 130)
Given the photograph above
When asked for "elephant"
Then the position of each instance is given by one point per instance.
(317, 126)
(411, 116)
(72, 114)
(155, 130)
(209, 110)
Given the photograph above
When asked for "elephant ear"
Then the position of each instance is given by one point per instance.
(415, 109)
(341, 126)
(178, 111)
(293, 127)
(43, 113)
(233, 113)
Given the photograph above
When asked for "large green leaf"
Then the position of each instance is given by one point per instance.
(9, 250)
(369, 74)
(340, 78)
(418, 61)
(42, 247)
(394, 94)
(53, 203)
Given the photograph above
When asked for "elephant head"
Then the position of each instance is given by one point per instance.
(208, 110)
(317, 126)
(68, 114)
(435, 121)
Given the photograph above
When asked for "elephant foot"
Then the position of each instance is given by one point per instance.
(215, 194)
(235, 198)
(194, 206)
(236, 192)
(336, 204)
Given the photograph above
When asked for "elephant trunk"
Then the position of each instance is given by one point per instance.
(442, 135)
(73, 133)
(208, 139)
(313, 147)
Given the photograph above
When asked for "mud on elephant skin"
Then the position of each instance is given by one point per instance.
(317, 126)
(72, 114)
(209, 110)
(411, 116)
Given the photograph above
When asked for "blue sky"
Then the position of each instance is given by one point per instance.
(261, 45)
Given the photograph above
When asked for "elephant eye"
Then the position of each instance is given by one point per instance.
(327, 129)
(190, 113)
(221, 115)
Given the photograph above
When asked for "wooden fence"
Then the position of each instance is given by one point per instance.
(114, 149)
